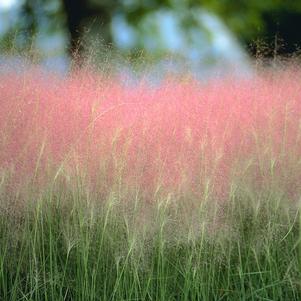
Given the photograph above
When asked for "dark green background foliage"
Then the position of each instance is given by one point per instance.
(274, 22)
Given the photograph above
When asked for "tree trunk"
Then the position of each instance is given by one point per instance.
(78, 11)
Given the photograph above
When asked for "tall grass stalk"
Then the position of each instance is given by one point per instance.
(185, 191)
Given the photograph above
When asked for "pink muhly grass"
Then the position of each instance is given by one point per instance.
(178, 136)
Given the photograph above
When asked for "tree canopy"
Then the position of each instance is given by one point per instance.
(249, 20)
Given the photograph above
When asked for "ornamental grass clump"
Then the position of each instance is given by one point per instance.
(178, 191)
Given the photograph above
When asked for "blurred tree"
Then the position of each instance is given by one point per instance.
(20, 35)
(274, 22)
(31, 18)
(250, 20)
(79, 13)
(271, 21)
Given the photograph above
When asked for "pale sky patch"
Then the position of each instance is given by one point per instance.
(7, 4)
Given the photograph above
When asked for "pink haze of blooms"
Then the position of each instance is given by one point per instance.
(178, 136)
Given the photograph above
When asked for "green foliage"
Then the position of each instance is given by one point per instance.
(35, 17)
(249, 20)
(66, 247)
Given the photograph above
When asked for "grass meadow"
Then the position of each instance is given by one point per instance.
(184, 190)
